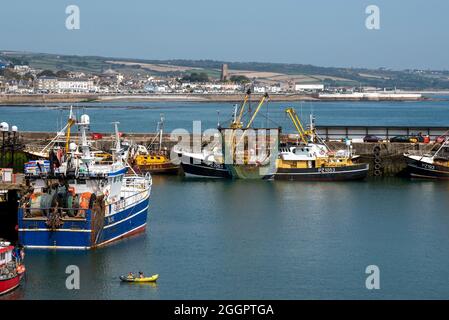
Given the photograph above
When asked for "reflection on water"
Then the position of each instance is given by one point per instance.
(267, 240)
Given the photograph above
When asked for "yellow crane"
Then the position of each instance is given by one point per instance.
(237, 122)
(264, 98)
(297, 123)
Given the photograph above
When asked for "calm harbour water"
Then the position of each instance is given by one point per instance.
(143, 116)
(266, 239)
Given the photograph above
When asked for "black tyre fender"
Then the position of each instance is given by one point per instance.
(376, 150)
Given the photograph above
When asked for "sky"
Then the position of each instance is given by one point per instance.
(412, 34)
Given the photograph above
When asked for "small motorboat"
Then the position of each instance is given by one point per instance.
(153, 278)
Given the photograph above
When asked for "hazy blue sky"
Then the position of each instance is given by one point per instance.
(413, 34)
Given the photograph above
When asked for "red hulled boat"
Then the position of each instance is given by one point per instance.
(11, 268)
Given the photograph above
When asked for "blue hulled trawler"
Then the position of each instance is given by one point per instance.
(76, 200)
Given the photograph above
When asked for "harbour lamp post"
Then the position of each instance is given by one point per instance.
(4, 128)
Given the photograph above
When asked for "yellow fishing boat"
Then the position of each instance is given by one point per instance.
(155, 161)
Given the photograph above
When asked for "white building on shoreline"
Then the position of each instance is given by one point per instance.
(47, 84)
(309, 87)
(76, 86)
(55, 85)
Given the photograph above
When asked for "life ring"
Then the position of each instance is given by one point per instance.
(377, 173)
(377, 166)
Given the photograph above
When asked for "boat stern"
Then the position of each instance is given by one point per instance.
(70, 233)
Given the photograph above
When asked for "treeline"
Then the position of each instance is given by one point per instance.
(196, 77)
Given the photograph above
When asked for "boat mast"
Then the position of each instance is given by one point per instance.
(70, 123)
(161, 129)
(234, 118)
(83, 127)
(118, 146)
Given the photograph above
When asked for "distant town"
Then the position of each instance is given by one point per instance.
(21, 77)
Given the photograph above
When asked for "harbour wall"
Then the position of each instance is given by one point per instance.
(18, 99)
(385, 158)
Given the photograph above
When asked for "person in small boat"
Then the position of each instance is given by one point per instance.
(130, 275)
(141, 275)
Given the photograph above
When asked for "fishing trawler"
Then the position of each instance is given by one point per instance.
(11, 267)
(429, 165)
(80, 202)
(313, 160)
(151, 159)
(252, 153)
(209, 163)
(252, 163)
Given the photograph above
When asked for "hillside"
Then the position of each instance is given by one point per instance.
(264, 72)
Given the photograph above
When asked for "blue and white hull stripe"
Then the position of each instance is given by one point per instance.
(34, 233)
